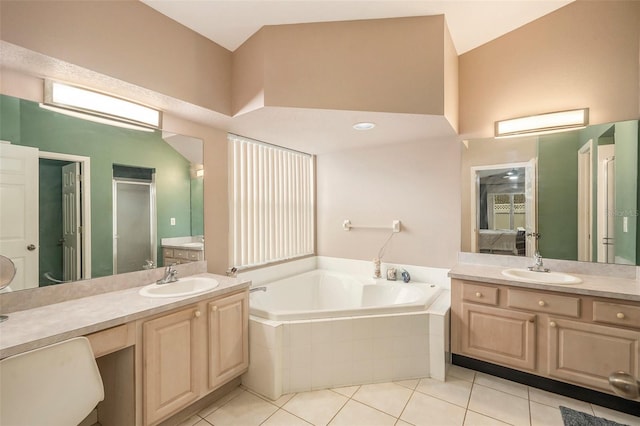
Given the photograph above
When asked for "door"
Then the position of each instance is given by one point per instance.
(71, 226)
(585, 206)
(171, 347)
(499, 335)
(133, 225)
(19, 239)
(228, 338)
(606, 203)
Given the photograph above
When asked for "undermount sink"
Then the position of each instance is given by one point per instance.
(183, 287)
(541, 277)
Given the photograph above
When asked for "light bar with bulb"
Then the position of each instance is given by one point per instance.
(84, 101)
(543, 123)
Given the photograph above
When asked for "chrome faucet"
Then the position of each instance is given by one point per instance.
(257, 289)
(538, 266)
(170, 275)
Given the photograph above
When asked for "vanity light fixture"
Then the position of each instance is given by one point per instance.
(99, 107)
(543, 123)
(364, 125)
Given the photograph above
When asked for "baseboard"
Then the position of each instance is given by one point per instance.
(572, 391)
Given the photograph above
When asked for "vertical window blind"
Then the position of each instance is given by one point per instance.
(272, 203)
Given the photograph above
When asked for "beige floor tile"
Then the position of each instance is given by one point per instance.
(347, 391)
(545, 415)
(499, 405)
(454, 390)
(356, 414)
(461, 373)
(390, 398)
(425, 410)
(246, 409)
(503, 385)
(476, 419)
(616, 416)
(403, 423)
(283, 399)
(409, 384)
(284, 418)
(191, 421)
(219, 403)
(317, 407)
(554, 400)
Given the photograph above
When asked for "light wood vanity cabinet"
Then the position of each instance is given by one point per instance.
(179, 256)
(567, 337)
(190, 352)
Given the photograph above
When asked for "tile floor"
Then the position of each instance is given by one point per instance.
(466, 398)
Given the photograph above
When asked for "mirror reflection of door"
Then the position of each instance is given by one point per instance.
(134, 225)
(19, 212)
(71, 225)
(504, 213)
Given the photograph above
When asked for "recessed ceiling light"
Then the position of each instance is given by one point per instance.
(364, 126)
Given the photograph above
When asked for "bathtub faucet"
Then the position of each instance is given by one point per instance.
(263, 288)
(405, 276)
(232, 272)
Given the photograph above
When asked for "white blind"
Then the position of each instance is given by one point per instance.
(272, 203)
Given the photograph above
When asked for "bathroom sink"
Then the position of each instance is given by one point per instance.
(541, 277)
(183, 287)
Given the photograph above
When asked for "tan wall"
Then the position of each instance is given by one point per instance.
(247, 69)
(586, 54)
(451, 93)
(387, 65)
(126, 40)
(488, 152)
(418, 183)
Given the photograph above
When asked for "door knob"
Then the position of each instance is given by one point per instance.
(31, 247)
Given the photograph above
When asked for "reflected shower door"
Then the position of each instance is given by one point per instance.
(134, 239)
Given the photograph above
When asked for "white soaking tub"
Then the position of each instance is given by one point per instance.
(323, 329)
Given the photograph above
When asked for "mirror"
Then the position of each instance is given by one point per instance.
(586, 200)
(106, 198)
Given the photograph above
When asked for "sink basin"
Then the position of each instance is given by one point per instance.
(541, 277)
(183, 287)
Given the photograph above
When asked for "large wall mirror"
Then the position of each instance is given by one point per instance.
(583, 203)
(89, 200)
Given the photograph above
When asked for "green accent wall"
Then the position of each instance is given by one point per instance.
(25, 123)
(558, 195)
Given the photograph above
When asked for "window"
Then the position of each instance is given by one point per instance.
(272, 203)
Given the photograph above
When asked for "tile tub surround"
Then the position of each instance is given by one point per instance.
(295, 356)
(40, 326)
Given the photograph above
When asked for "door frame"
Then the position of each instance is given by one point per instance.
(585, 203)
(85, 200)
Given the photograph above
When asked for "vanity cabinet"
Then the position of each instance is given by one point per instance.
(189, 353)
(172, 256)
(572, 338)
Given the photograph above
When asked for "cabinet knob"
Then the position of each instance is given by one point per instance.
(542, 303)
(214, 308)
(478, 294)
(552, 324)
(197, 314)
(620, 315)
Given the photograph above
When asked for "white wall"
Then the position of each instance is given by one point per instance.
(417, 183)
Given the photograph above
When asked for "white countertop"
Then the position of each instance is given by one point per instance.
(34, 328)
(601, 286)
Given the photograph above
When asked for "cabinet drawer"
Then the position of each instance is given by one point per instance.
(616, 313)
(544, 302)
(112, 339)
(194, 255)
(479, 294)
(167, 252)
(181, 254)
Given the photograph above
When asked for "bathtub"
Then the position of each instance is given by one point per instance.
(324, 329)
(328, 294)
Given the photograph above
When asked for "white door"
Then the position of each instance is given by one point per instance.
(531, 216)
(71, 232)
(19, 212)
(606, 203)
(585, 206)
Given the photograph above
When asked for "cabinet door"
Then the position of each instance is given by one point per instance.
(499, 335)
(171, 359)
(587, 354)
(228, 338)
